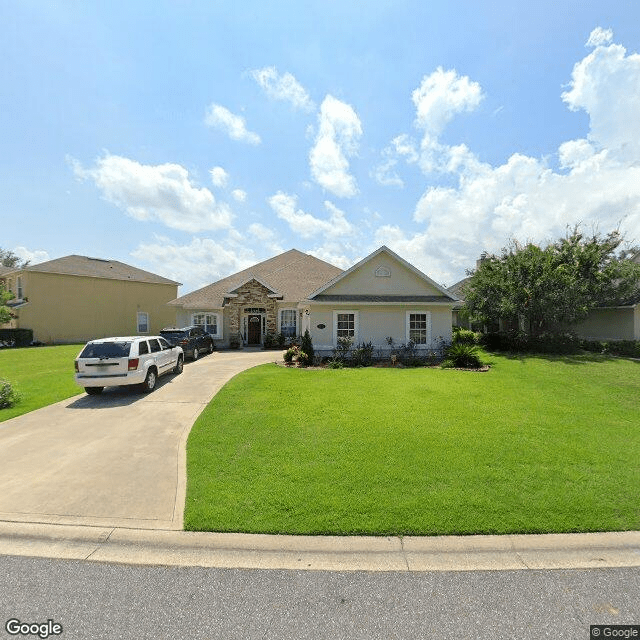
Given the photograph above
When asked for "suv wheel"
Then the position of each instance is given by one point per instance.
(179, 366)
(93, 391)
(149, 383)
(196, 353)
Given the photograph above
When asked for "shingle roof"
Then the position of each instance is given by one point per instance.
(293, 274)
(4, 270)
(98, 268)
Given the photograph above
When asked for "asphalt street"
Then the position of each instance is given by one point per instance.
(104, 601)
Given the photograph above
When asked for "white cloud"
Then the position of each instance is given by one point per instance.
(239, 195)
(306, 225)
(441, 96)
(401, 146)
(266, 237)
(599, 37)
(196, 264)
(338, 134)
(163, 193)
(606, 84)
(283, 87)
(233, 125)
(219, 177)
(597, 184)
(33, 257)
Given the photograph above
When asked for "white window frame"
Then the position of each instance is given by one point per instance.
(146, 323)
(295, 317)
(19, 288)
(218, 321)
(356, 327)
(422, 312)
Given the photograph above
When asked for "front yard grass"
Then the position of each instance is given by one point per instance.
(536, 445)
(42, 376)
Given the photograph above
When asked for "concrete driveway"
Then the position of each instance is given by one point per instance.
(117, 459)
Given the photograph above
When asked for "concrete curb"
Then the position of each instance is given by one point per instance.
(321, 553)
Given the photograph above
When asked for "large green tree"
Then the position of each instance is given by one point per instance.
(9, 259)
(551, 288)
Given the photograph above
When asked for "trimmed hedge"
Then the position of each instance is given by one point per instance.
(17, 337)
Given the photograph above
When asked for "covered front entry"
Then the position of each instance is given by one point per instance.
(254, 330)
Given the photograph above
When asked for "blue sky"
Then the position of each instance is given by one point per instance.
(195, 138)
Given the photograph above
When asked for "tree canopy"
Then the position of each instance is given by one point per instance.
(551, 288)
(9, 259)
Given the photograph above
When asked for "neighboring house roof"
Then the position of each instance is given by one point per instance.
(456, 289)
(446, 296)
(292, 275)
(4, 270)
(97, 268)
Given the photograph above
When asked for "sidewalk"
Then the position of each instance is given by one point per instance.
(321, 553)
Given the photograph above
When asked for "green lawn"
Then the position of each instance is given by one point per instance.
(536, 444)
(42, 375)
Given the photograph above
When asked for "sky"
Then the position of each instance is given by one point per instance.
(196, 138)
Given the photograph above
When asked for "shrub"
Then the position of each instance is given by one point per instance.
(362, 355)
(270, 341)
(343, 351)
(295, 354)
(281, 340)
(16, 337)
(464, 356)
(334, 363)
(8, 395)
(307, 345)
(465, 336)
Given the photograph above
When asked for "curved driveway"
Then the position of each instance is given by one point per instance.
(117, 459)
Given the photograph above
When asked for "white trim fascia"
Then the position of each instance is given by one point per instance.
(375, 254)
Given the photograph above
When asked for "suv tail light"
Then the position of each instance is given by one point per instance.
(185, 341)
(133, 363)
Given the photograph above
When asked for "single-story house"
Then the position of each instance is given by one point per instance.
(381, 297)
(77, 298)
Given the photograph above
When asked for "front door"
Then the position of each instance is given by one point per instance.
(254, 332)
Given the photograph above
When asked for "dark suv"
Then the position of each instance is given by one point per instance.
(193, 340)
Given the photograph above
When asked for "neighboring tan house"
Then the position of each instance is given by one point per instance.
(77, 298)
(382, 296)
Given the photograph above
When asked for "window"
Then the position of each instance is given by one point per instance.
(155, 346)
(419, 327)
(345, 325)
(143, 322)
(288, 319)
(19, 292)
(143, 348)
(207, 322)
(255, 310)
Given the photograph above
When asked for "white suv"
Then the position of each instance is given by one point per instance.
(114, 362)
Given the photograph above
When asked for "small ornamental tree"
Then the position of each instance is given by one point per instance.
(549, 289)
(307, 345)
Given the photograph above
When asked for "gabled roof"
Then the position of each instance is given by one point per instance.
(447, 296)
(292, 274)
(97, 268)
(4, 270)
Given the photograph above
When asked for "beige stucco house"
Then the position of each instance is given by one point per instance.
(77, 298)
(380, 297)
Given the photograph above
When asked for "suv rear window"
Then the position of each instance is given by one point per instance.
(172, 335)
(106, 350)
